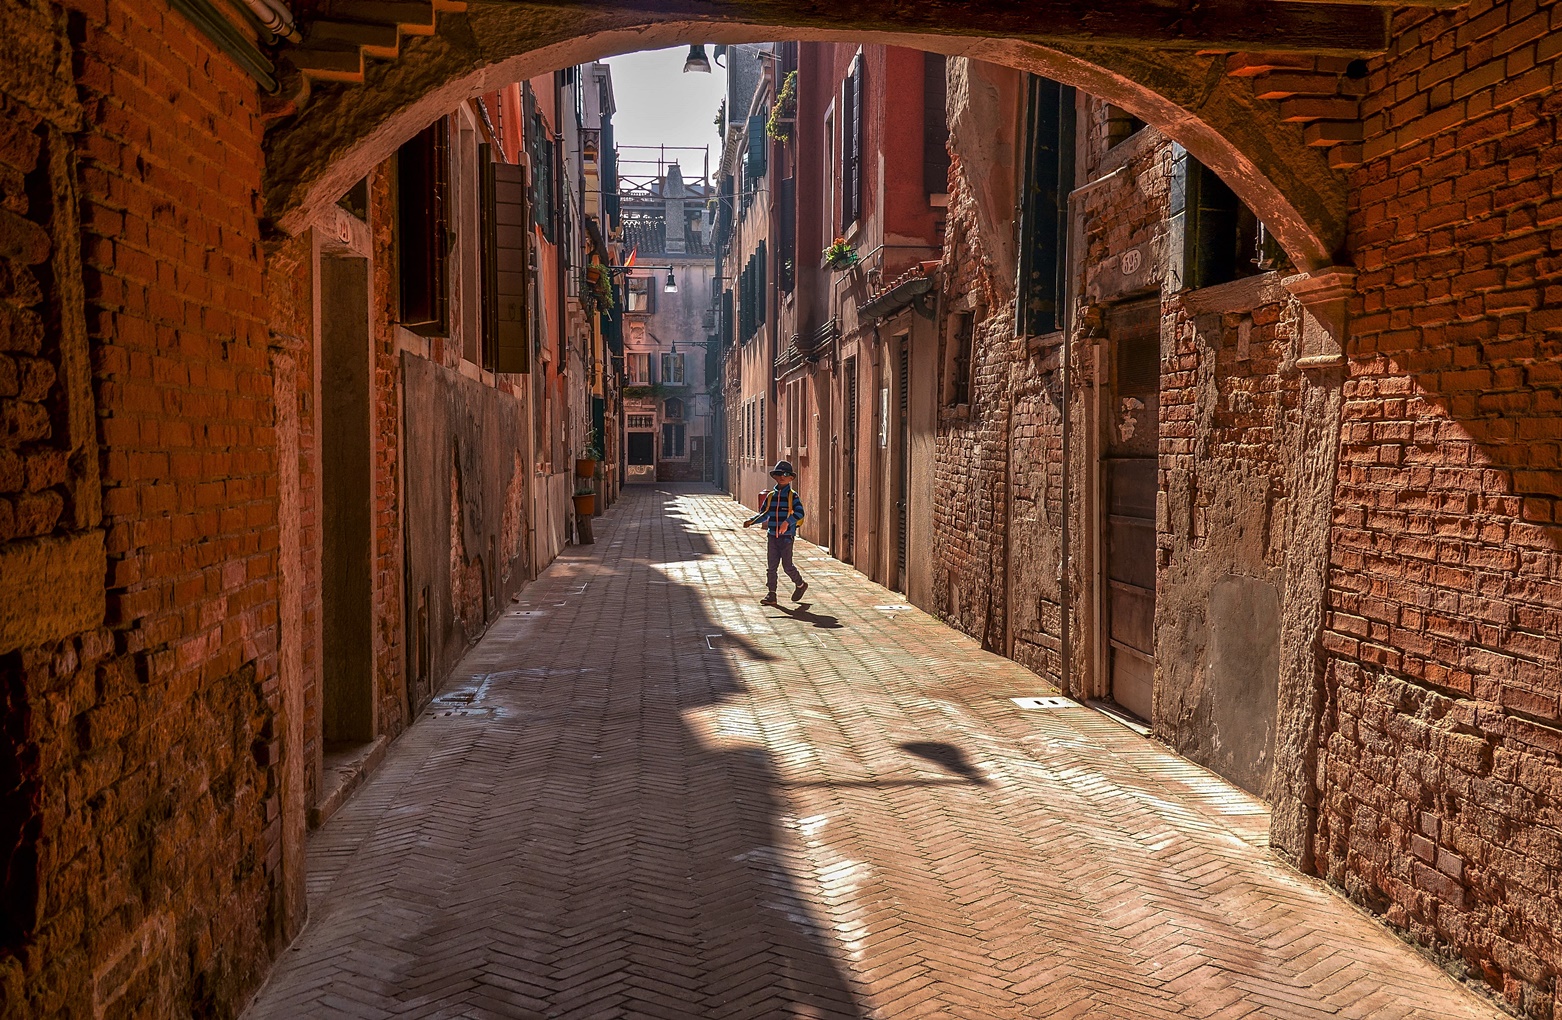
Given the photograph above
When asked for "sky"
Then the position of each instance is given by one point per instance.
(660, 105)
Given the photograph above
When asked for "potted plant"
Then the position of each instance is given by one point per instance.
(585, 501)
(782, 114)
(840, 255)
(586, 463)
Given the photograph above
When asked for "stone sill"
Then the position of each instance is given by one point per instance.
(344, 777)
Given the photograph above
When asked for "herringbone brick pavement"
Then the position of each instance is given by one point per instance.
(645, 795)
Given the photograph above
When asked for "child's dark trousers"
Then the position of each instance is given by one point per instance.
(779, 551)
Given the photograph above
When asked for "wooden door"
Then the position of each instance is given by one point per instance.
(1129, 471)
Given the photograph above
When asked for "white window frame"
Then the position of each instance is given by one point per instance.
(643, 307)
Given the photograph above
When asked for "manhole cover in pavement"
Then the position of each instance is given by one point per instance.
(530, 612)
(1050, 701)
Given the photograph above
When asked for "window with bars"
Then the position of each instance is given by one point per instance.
(672, 441)
(851, 144)
(957, 368)
(1222, 240)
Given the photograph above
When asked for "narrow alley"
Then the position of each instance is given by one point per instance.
(680, 803)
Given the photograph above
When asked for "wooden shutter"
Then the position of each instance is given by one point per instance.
(512, 274)
(760, 280)
(756, 159)
(488, 256)
(1049, 177)
(422, 229)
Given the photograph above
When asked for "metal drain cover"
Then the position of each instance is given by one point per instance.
(893, 609)
(1049, 701)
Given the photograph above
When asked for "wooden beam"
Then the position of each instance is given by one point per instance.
(1349, 29)
(1438, 4)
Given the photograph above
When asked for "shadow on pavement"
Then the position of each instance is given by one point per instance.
(802, 614)
(947, 757)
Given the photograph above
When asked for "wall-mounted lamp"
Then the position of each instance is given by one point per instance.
(697, 60)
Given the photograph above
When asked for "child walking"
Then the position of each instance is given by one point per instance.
(780, 510)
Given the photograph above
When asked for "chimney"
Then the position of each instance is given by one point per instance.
(672, 197)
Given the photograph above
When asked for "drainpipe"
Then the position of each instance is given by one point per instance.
(1065, 593)
(275, 18)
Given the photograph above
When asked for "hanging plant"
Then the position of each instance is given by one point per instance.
(783, 113)
(597, 284)
(840, 255)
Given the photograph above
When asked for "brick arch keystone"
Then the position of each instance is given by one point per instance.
(317, 152)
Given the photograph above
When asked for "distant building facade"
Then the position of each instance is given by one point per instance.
(667, 422)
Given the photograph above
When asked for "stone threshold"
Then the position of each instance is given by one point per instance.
(345, 771)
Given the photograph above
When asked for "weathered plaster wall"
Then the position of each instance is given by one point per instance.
(1229, 405)
(466, 550)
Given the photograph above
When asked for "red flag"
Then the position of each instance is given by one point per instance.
(631, 259)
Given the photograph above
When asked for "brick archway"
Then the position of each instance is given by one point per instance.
(318, 150)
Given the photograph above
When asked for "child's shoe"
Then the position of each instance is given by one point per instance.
(768, 600)
(797, 593)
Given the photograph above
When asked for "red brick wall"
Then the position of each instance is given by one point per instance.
(385, 384)
(159, 824)
(969, 511)
(1444, 744)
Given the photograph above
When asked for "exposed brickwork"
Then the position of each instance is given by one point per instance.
(385, 425)
(33, 466)
(1444, 753)
(968, 511)
(158, 830)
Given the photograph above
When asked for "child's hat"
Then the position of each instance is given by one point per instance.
(783, 467)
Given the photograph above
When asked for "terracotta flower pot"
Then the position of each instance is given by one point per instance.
(585, 467)
(585, 503)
